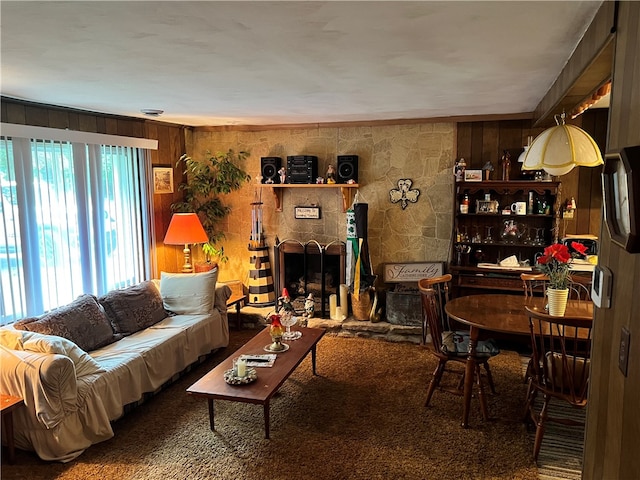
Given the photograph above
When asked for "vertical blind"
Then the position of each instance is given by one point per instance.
(74, 220)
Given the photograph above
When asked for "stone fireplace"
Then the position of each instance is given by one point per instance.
(309, 267)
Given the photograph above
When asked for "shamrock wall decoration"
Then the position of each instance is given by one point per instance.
(404, 193)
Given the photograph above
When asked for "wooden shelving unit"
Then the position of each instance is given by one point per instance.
(347, 190)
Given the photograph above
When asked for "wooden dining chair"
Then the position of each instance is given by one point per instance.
(435, 319)
(441, 285)
(560, 368)
(534, 283)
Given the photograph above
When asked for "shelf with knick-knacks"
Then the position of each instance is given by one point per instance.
(495, 220)
(346, 189)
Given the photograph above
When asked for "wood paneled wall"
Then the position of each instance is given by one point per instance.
(171, 144)
(613, 413)
(479, 142)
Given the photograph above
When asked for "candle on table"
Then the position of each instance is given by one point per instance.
(333, 303)
(242, 367)
(338, 313)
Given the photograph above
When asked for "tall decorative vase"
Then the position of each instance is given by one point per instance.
(557, 301)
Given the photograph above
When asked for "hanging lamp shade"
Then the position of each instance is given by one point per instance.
(558, 149)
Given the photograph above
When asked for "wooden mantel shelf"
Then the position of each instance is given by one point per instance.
(346, 189)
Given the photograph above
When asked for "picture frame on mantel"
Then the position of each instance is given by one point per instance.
(162, 179)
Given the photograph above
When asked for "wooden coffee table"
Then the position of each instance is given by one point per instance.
(213, 387)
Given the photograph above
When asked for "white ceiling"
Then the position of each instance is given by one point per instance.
(257, 63)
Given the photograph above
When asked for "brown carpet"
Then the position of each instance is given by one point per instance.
(363, 417)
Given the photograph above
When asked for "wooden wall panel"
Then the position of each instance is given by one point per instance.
(586, 63)
(613, 418)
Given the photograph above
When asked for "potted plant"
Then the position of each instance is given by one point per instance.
(556, 263)
(207, 180)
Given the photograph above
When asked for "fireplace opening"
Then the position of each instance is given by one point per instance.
(310, 267)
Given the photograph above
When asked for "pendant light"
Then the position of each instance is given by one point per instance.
(558, 149)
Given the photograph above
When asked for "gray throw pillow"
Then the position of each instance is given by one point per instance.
(134, 308)
(82, 321)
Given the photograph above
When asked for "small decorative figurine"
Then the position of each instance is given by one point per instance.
(319, 180)
(285, 303)
(506, 165)
(487, 168)
(331, 174)
(283, 175)
(309, 306)
(459, 168)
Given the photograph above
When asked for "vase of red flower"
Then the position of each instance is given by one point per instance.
(555, 263)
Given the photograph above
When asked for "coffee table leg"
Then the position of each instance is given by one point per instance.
(266, 420)
(211, 415)
(7, 420)
(469, 374)
(313, 360)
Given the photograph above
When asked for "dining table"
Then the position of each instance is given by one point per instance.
(502, 313)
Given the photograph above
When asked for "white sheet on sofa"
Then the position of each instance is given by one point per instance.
(204, 332)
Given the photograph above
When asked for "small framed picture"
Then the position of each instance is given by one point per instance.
(473, 175)
(162, 179)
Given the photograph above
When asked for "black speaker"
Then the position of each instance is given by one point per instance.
(269, 167)
(347, 168)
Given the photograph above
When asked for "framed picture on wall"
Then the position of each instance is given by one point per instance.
(162, 179)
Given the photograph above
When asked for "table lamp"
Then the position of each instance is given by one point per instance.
(185, 229)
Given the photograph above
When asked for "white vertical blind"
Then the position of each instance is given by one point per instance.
(74, 220)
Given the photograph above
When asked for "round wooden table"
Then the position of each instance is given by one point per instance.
(499, 313)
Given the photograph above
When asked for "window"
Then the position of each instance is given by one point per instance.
(74, 220)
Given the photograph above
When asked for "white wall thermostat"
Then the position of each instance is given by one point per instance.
(601, 287)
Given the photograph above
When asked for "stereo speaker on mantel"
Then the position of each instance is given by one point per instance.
(347, 168)
(269, 167)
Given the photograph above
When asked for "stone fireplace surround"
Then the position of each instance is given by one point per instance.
(309, 267)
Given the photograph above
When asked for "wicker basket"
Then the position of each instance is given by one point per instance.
(361, 306)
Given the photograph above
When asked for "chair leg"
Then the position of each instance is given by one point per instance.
(540, 426)
(435, 381)
(490, 377)
(529, 371)
(529, 399)
(481, 395)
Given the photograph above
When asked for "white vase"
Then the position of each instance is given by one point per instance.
(557, 301)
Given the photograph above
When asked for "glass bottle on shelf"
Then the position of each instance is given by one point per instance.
(464, 205)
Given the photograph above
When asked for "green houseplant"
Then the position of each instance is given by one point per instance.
(207, 181)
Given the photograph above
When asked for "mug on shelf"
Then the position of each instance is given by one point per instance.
(519, 208)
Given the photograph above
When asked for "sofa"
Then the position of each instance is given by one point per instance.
(81, 366)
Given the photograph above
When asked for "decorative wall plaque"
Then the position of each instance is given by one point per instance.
(411, 271)
(310, 213)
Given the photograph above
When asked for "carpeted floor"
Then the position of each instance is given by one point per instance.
(362, 418)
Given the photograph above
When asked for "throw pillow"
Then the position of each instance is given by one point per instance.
(188, 293)
(457, 343)
(83, 321)
(11, 339)
(84, 363)
(134, 308)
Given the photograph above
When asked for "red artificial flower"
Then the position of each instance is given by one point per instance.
(579, 247)
(544, 259)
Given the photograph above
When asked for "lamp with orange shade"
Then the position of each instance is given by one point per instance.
(185, 229)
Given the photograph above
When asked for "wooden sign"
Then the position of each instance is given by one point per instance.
(412, 271)
(311, 212)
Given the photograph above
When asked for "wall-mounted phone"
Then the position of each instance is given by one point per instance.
(601, 287)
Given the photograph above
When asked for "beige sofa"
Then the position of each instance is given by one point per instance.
(78, 366)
